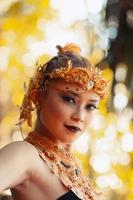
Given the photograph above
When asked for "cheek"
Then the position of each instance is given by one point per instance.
(89, 118)
(53, 110)
(57, 109)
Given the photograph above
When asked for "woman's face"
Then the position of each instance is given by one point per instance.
(66, 111)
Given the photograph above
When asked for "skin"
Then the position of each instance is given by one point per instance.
(68, 107)
(21, 167)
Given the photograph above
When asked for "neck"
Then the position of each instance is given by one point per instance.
(40, 129)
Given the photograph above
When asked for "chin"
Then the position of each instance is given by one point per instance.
(69, 140)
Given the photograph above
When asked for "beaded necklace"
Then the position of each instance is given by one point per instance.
(63, 164)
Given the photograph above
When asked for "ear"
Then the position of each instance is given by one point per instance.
(35, 97)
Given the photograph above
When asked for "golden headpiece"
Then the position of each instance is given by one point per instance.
(87, 75)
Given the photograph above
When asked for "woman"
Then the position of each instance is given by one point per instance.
(65, 91)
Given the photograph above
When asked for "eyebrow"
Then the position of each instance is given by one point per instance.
(72, 92)
(77, 95)
(93, 100)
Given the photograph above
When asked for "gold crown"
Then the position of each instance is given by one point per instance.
(89, 78)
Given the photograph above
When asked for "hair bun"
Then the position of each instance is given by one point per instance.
(68, 48)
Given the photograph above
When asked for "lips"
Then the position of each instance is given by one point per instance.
(73, 129)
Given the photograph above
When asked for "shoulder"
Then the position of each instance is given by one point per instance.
(20, 146)
(24, 146)
(19, 150)
(19, 158)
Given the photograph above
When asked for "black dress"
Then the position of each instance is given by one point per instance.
(69, 196)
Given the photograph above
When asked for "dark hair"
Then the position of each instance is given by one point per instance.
(69, 52)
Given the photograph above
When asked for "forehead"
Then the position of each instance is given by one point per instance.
(75, 88)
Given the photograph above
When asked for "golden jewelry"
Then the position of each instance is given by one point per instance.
(63, 164)
(89, 78)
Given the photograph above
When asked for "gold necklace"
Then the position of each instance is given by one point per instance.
(62, 163)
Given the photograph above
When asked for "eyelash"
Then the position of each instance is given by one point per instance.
(71, 100)
(91, 107)
(68, 99)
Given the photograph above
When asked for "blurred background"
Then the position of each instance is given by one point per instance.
(30, 29)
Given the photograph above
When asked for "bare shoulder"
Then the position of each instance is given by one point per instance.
(20, 147)
(19, 150)
(19, 158)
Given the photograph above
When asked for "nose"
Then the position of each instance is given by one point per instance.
(78, 116)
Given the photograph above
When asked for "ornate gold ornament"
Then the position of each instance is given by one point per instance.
(63, 164)
(89, 78)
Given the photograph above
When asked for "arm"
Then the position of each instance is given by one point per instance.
(15, 164)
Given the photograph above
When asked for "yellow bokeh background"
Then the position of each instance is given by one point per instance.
(31, 29)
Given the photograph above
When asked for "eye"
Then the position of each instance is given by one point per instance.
(91, 107)
(68, 99)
